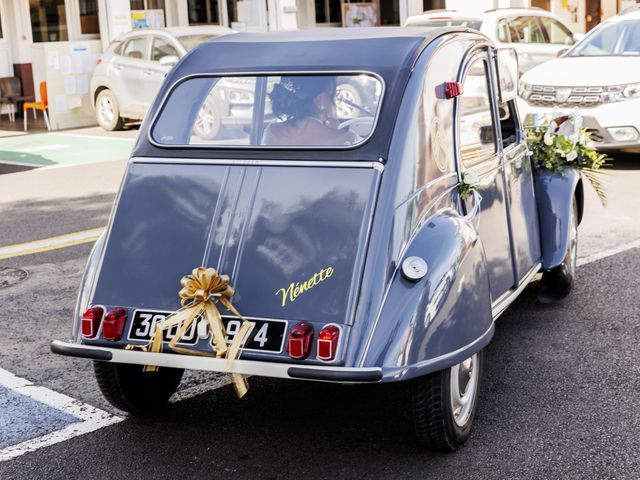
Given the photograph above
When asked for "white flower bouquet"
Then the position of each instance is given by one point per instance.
(563, 143)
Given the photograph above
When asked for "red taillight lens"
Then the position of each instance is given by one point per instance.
(299, 342)
(114, 323)
(99, 61)
(452, 89)
(328, 342)
(91, 321)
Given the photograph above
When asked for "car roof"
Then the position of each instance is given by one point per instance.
(377, 49)
(388, 52)
(622, 17)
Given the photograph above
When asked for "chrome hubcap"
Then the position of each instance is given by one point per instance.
(205, 120)
(573, 245)
(464, 385)
(105, 110)
(344, 110)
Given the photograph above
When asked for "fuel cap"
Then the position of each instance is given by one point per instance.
(414, 268)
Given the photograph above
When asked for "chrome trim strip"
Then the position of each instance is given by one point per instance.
(501, 304)
(259, 163)
(211, 364)
(162, 104)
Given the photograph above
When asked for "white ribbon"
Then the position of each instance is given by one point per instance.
(477, 199)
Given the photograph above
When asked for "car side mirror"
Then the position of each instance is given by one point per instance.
(169, 60)
(561, 52)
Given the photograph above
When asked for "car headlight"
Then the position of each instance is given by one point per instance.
(620, 93)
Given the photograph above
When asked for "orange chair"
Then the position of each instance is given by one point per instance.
(42, 105)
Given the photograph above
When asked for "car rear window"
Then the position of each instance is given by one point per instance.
(283, 111)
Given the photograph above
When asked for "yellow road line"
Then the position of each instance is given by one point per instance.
(52, 243)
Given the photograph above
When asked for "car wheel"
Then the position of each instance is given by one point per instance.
(108, 112)
(350, 94)
(129, 388)
(556, 283)
(443, 404)
(207, 123)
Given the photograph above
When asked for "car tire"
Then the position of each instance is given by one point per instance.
(108, 112)
(208, 122)
(127, 387)
(441, 422)
(556, 283)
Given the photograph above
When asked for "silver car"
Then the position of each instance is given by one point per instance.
(537, 35)
(131, 70)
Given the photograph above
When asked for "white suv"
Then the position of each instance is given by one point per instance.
(600, 76)
(537, 35)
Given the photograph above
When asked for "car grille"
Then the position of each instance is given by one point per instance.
(545, 96)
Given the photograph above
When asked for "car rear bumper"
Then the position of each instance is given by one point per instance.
(246, 367)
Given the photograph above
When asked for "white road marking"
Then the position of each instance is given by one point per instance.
(43, 148)
(91, 418)
(97, 137)
(608, 252)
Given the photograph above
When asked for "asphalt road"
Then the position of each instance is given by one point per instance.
(559, 398)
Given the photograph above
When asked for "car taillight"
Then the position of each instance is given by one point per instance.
(114, 323)
(452, 89)
(299, 342)
(91, 321)
(328, 342)
(99, 61)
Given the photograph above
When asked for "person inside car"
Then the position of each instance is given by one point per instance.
(305, 113)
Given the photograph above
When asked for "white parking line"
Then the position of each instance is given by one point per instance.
(91, 418)
(43, 148)
(608, 252)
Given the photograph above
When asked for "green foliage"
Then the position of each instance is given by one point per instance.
(557, 152)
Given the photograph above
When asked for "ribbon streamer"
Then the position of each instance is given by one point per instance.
(477, 200)
(200, 292)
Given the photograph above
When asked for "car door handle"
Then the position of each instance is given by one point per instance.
(117, 66)
(147, 72)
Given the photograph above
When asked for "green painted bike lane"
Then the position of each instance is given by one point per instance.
(49, 149)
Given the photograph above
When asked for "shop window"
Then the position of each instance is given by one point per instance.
(89, 16)
(147, 4)
(203, 12)
(48, 21)
(328, 11)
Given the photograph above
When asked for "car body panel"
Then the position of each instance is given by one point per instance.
(555, 194)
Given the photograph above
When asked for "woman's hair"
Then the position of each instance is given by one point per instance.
(293, 96)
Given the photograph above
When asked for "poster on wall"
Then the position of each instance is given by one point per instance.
(359, 15)
(147, 19)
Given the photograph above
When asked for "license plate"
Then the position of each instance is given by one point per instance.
(266, 335)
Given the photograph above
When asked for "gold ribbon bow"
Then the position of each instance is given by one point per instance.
(200, 292)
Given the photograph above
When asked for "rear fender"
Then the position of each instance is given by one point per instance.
(443, 318)
(555, 192)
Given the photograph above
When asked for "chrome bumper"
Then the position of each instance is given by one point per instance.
(246, 367)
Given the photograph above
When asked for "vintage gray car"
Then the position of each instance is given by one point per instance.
(376, 248)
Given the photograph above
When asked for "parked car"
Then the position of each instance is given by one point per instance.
(537, 35)
(600, 76)
(130, 72)
(345, 244)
